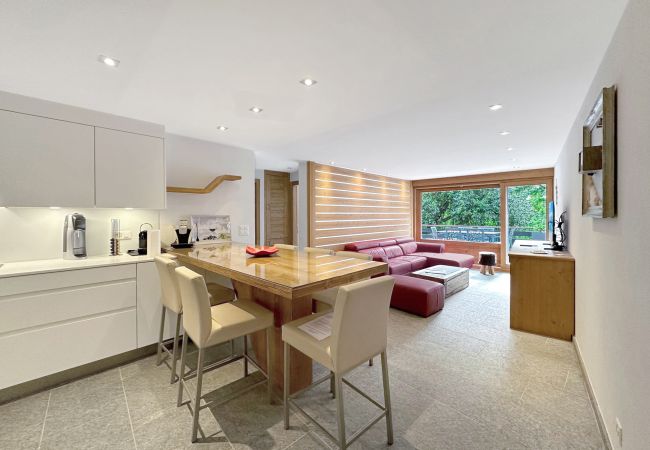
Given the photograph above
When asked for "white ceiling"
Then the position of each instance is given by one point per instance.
(403, 86)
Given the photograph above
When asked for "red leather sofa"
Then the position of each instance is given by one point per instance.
(404, 255)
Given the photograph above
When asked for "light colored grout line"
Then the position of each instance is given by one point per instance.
(126, 400)
(289, 446)
(566, 380)
(47, 408)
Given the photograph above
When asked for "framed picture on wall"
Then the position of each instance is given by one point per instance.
(207, 229)
(597, 161)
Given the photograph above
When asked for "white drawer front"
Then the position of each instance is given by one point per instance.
(44, 351)
(36, 309)
(65, 279)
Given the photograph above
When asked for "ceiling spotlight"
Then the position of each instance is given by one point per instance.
(510, 149)
(55, 207)
(364, 170)
(495, 107)
(308, 82)
(222, 128)
(504, 133)
(331, 163)
(256, 109)
(111, 62)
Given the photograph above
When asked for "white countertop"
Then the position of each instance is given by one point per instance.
(14, 269)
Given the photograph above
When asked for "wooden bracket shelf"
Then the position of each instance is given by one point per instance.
(206, 190)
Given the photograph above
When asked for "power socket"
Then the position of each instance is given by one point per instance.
(125, 235)
(619, 432)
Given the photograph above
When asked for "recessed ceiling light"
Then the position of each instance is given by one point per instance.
(55, 207)
(495, 107)
(331, 163)
(308, 82)
(128, 208)
(510, 149)
(364, 170)
(111, 62)
(222, 128)
(256, 109)
(504, 133)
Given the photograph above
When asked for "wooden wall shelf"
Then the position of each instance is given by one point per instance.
(206, 190)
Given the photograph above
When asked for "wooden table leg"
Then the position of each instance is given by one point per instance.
(284, 310)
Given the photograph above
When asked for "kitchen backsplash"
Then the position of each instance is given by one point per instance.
(36, 233)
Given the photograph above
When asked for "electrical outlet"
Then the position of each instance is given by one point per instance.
(619, 432)
(125, 235)
(244, 230)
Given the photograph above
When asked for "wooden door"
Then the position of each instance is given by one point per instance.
(277, 208)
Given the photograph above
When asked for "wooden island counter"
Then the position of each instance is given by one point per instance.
(283, 283)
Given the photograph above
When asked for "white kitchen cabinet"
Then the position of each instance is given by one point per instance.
(45, 162)
(129, 170)
(150, 308)
(59, 320)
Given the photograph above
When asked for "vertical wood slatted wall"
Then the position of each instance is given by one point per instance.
(347, 206)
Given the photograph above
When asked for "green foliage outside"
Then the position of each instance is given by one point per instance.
(480, 207)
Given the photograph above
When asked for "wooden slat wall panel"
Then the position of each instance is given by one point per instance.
(347, 206)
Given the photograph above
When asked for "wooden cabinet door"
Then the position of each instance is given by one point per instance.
(45, 162)
(277, 208)
(129, 170)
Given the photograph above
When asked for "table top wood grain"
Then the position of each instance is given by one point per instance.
(289, 273)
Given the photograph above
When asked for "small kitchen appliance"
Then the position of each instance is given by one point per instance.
(74, 236)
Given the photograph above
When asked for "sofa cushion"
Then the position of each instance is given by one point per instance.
(393, 251)
(397, 267)
(448, 259)
(431, 247)
(409, 247)
(417, 296)
(404, 240)
(387, 242)
(378, 253)
(417, 262)
(361, 245)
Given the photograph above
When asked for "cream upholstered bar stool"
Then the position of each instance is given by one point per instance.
(285, 246)
(209, 326)
(170, 299)
(318, 251)
(359, 331)
(328, 296)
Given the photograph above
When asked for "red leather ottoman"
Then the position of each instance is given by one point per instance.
(417, 296)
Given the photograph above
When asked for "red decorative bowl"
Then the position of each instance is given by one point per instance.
(261, 251)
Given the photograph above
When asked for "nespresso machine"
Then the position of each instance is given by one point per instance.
(74, 236)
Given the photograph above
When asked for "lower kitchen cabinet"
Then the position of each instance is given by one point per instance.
(59, 320)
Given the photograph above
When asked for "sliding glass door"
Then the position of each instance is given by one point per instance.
(527, 213)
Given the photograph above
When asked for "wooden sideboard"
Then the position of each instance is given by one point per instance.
(542, 290)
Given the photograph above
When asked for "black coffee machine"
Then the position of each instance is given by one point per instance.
(142, 239)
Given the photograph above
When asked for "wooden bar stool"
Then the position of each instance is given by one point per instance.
(170, 300)
(359, 329)
(209, 326)
(487, 260)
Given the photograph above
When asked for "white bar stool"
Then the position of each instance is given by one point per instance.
(209, 326)
(318, 251)
(328, 296)
(170, 299)
(358, 332)
(285, 246)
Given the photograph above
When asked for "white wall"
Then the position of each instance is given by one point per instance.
(194, 163)
(612, 295)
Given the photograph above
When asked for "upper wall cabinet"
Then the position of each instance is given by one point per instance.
(45, 162)
(129, 170)
(53, 154)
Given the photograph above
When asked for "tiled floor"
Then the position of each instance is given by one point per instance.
(460, 379)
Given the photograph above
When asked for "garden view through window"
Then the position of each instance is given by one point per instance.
(474, 214)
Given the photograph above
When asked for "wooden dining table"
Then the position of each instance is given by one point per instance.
(284, 284)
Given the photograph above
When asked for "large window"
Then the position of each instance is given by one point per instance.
(462, 215)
